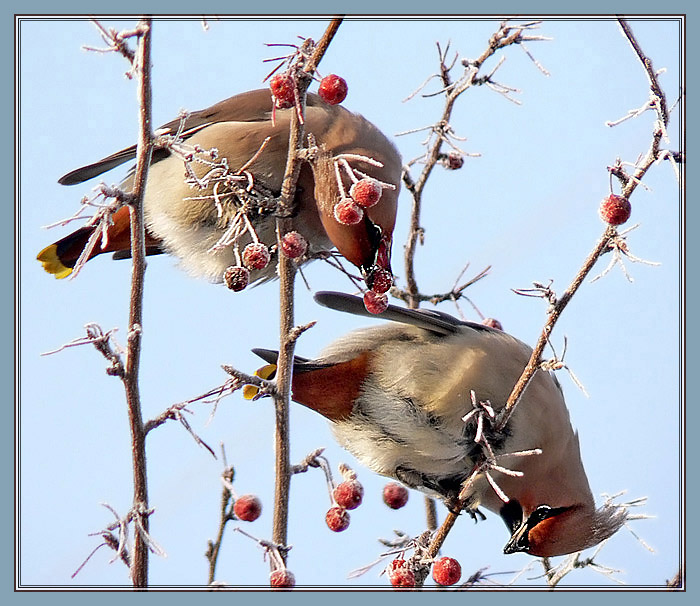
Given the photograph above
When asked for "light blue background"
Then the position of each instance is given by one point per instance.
(527, 207)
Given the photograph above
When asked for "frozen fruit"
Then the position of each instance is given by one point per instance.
(333, 89)
(615, 210)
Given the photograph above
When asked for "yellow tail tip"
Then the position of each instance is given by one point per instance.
(52, 264)
(251, 391)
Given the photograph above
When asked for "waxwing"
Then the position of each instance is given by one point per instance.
(203, 225)
(397, 395)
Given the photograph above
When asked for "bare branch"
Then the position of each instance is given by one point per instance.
(286, 270)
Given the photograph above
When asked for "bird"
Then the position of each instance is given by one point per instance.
(397, 396)
(203, 224)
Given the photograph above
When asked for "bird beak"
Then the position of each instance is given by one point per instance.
(519, 540)
(381, 258)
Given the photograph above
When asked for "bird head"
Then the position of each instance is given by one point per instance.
(552, 531)
(361, 148)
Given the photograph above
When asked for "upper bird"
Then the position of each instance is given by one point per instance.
(397, 395)
(194, 211)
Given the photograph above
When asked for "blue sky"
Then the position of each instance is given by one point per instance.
(527, 206)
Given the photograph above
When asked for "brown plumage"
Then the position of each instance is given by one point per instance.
(408, 386)
(191, 223)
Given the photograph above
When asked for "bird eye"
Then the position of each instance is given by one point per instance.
(542, 513)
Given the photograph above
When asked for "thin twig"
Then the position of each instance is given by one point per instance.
(225, 516)
(441, 132)
(555, 311)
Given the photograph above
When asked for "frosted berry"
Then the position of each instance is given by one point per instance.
(376, 302)
(282, 87)
(446, 571)
(338, 519)
(400, 575)
(348, 494)
(255, 256)
(454, 161)
(493, 323)
(348, 212)
(294, 245)
(282, 578)
(615, 210)
(333, 89)
(236, 277)
(247, 508)
(380, 280)
(395, 495)
(366, 192)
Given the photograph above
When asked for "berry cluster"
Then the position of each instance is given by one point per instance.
(346, 495)
(332, 89)
(364, 193)
(257, 256)
(446, 572)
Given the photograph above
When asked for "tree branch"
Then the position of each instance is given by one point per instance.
(139, 562)
(286, 270)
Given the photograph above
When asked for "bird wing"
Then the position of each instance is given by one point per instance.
(435, 322)
(251, 106)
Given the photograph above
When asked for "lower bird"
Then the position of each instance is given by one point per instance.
(397, 396)
(212, 183)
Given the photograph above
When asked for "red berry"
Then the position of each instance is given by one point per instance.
(337, 519)
(446, 571)
(247, 508)
(282, 87)
(493, 323)
(454, 161)
(376, 302)
(294, 245)
(348, 494)
(333, 89)
(348, 212)
(255, 256)
(282, 578)
(400, 575)
(615, 210)
(395, 495)
(236, 277)
(366, 192)
(380, 280)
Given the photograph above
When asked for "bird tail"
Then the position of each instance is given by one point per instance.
(60, 257)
